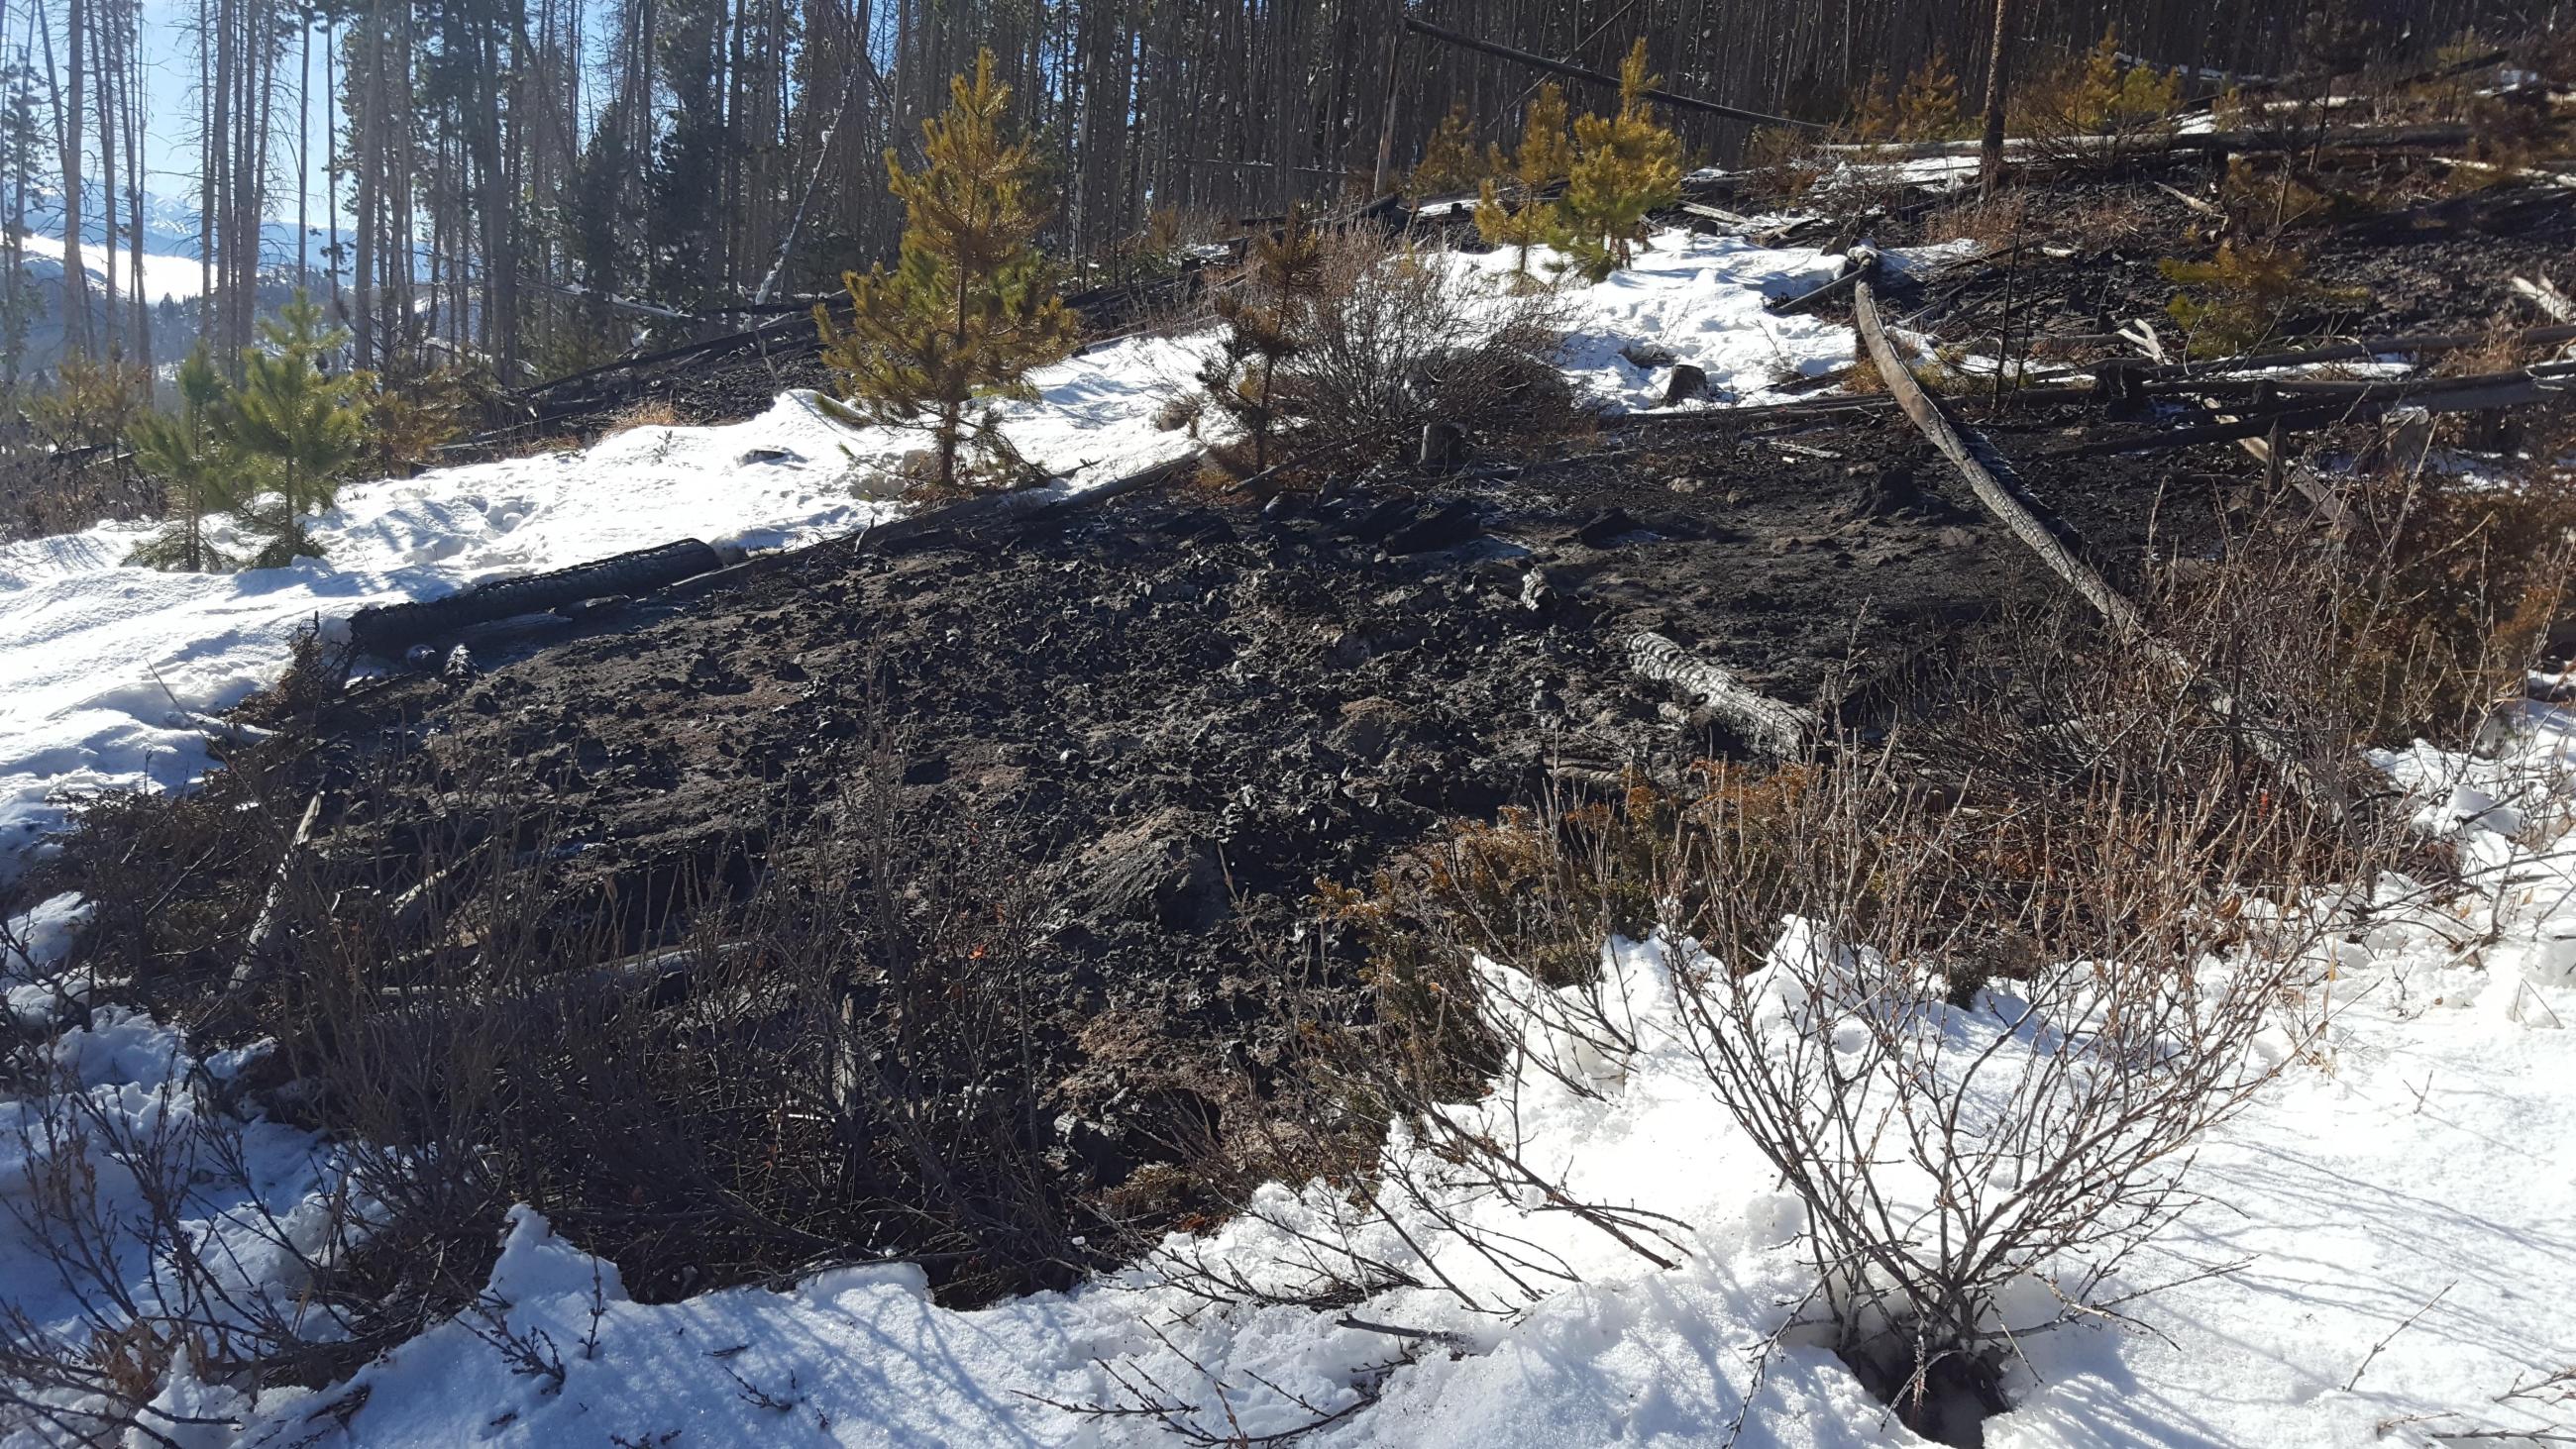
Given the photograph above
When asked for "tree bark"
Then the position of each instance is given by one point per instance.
(75, 275)
(1990, 171)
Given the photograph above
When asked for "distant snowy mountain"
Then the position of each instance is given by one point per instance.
(175, 277)
(172, 267)
(172, 226)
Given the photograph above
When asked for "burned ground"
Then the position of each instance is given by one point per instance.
(1176, 713)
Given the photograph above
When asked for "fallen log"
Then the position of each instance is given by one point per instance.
(2362, 350)
(1598, 78)
(2268, 447)
(1981, 466)
(783, 328)
(255, 945)
(1024, 503)
(2545, 295)
(1756, 415)
(2233, 143)
(2548, 382)
(1990, 490)
(1859, 262)
(2226, 428)
(2260, 429)
(387, 630)
(1781, 730)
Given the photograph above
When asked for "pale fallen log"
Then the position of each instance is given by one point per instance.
(2361, 350)
(2234, 143)
(255, 945)
(1778, 729)
(2518, 173)
(2187, 199)
(2545, 295)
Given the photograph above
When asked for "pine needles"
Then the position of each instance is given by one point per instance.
(970, 306)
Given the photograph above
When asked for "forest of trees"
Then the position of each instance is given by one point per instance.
(527, 182)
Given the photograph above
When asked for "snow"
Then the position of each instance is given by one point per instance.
(102, 662)
(1699, 299)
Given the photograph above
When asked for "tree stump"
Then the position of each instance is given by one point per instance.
(1444, 447)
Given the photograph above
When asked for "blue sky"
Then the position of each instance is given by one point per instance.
(170, 79)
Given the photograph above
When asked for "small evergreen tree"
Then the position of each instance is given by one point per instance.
(193, 460)
(297, 428)
(970, 306)
(1512, 209)
(1928, 108)
(1625, 166)
(1263, 317)
(2114, 96)
(1874, 116)
(1450, 161)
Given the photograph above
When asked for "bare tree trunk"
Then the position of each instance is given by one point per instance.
(500, 271)
(303, 145)
(1990, 170)
(68, 118)
(367, 100)
(209, 143)
(104, 62)
(1384, 176)
(331, 158)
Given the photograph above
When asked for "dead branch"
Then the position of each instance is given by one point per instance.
(1594, 77)
(2265, 439)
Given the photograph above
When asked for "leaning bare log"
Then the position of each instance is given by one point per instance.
(1978, 466)
(1597, 78)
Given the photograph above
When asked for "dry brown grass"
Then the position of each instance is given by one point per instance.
(1994, 224)
(644, 412)
(2023, 218)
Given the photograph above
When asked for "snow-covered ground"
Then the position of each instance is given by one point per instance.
(97, 658)
(2397, 1211)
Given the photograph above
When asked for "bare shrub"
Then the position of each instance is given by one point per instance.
(1976, 992)
(2462, 584)
(1388, 336)
(162, 1238)
(1955, 1143)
